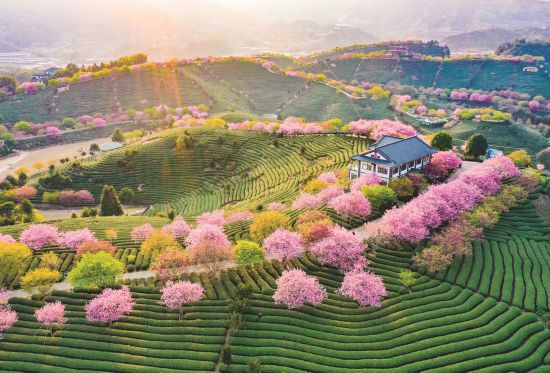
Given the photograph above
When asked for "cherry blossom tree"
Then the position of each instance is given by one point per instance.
(73, 239)
(37, 236)
(328, 177)
(351, 204)
(366, 288)
(208, 244)
(170, 264)
(328, 194)
(175, 295)
(53, 132)
(215, 217)
(142, 232)
(110, 305)
(8, 317)
(306, 201)
(276, 206)
(25, 192)
(342, 249)
(6, 238)
(284, 245)
(366, 179)
(375, 129)
(52, 315)
(295, 289)
(179, 229)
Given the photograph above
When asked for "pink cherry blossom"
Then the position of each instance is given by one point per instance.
(342, 249)
(351, 204)
(37, 236)
(283, 245)
(73, 239)
(276, 206)
(178, 294)
(306, 201)
(8, 317)
(6, 238)
(110, 305)
(295, 289)
(366, 288)
(375, 129)
(328, 177)
(53, 132)
(51, 315)
(366, 179)
(25, 192)
(142, 232)
(328, 194)
(215, 217)
(178, 228)
(240, 216)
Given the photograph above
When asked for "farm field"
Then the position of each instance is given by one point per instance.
(444, 324)
(244, 171)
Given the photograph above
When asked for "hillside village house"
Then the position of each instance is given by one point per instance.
(392, 157)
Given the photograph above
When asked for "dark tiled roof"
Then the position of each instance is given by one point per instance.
(361, 157)
(398, 151)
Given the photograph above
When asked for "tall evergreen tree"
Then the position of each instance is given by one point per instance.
(109, 204)
(117, 135)
(476, 145)
(442, 141)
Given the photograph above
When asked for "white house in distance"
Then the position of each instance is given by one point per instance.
(392, 157)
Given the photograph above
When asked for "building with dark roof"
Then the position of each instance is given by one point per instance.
(392, 157)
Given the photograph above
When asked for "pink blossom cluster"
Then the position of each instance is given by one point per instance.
(401, 99)
(329, 193)
(110, 305)
(207, 234)
(375, 129)
(8, 317)
(306, 201)
(99, 122)
(421, 110)
(177, 294)
(365, 179)
(73, 239)
(366, 288)
(76, 198)
(481, 97)
(253, 126)
(30, 87)
(342, 249)
(276, 206)
(456, 95)
(179, 228)
(215, 217)
(53, 132)
(25, 192)
(351, 204)
(439, 204)
(37, 236)
(447, 159)
(295, 289)
(51, 314)
(4, 296)
(534, 105)
(142, 232)
(85, 119)
(328, 177)
(239, 216)
(6, 238)
(283, 245)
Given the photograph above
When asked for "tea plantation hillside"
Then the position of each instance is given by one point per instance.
(470, 318)
(223, 86)
(221, 168)
(482, 75)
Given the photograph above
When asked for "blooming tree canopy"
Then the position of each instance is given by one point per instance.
(284, 245)
(306, 201)
(351, 204)
(365, 179)
(6, 238)
(366, 288)
(37, 236)
(177, 294)
(142, 232)
(208, 244)
(375, 129)
(8, 317)
(73, 239)
(215, 217)
(295, 289)
(178, 228)
(342, 249)
(51, 315)
(110, 305)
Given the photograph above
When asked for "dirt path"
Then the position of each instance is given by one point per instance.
(27, 158)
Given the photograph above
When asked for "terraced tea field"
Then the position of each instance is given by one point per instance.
(482, 75)
(244, 171)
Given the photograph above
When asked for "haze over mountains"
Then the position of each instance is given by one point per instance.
(168, 28)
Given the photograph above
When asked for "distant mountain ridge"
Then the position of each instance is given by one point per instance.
(490, 39)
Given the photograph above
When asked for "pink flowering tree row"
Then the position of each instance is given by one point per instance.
(375, 129)
(442, 203)
(110, 305)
